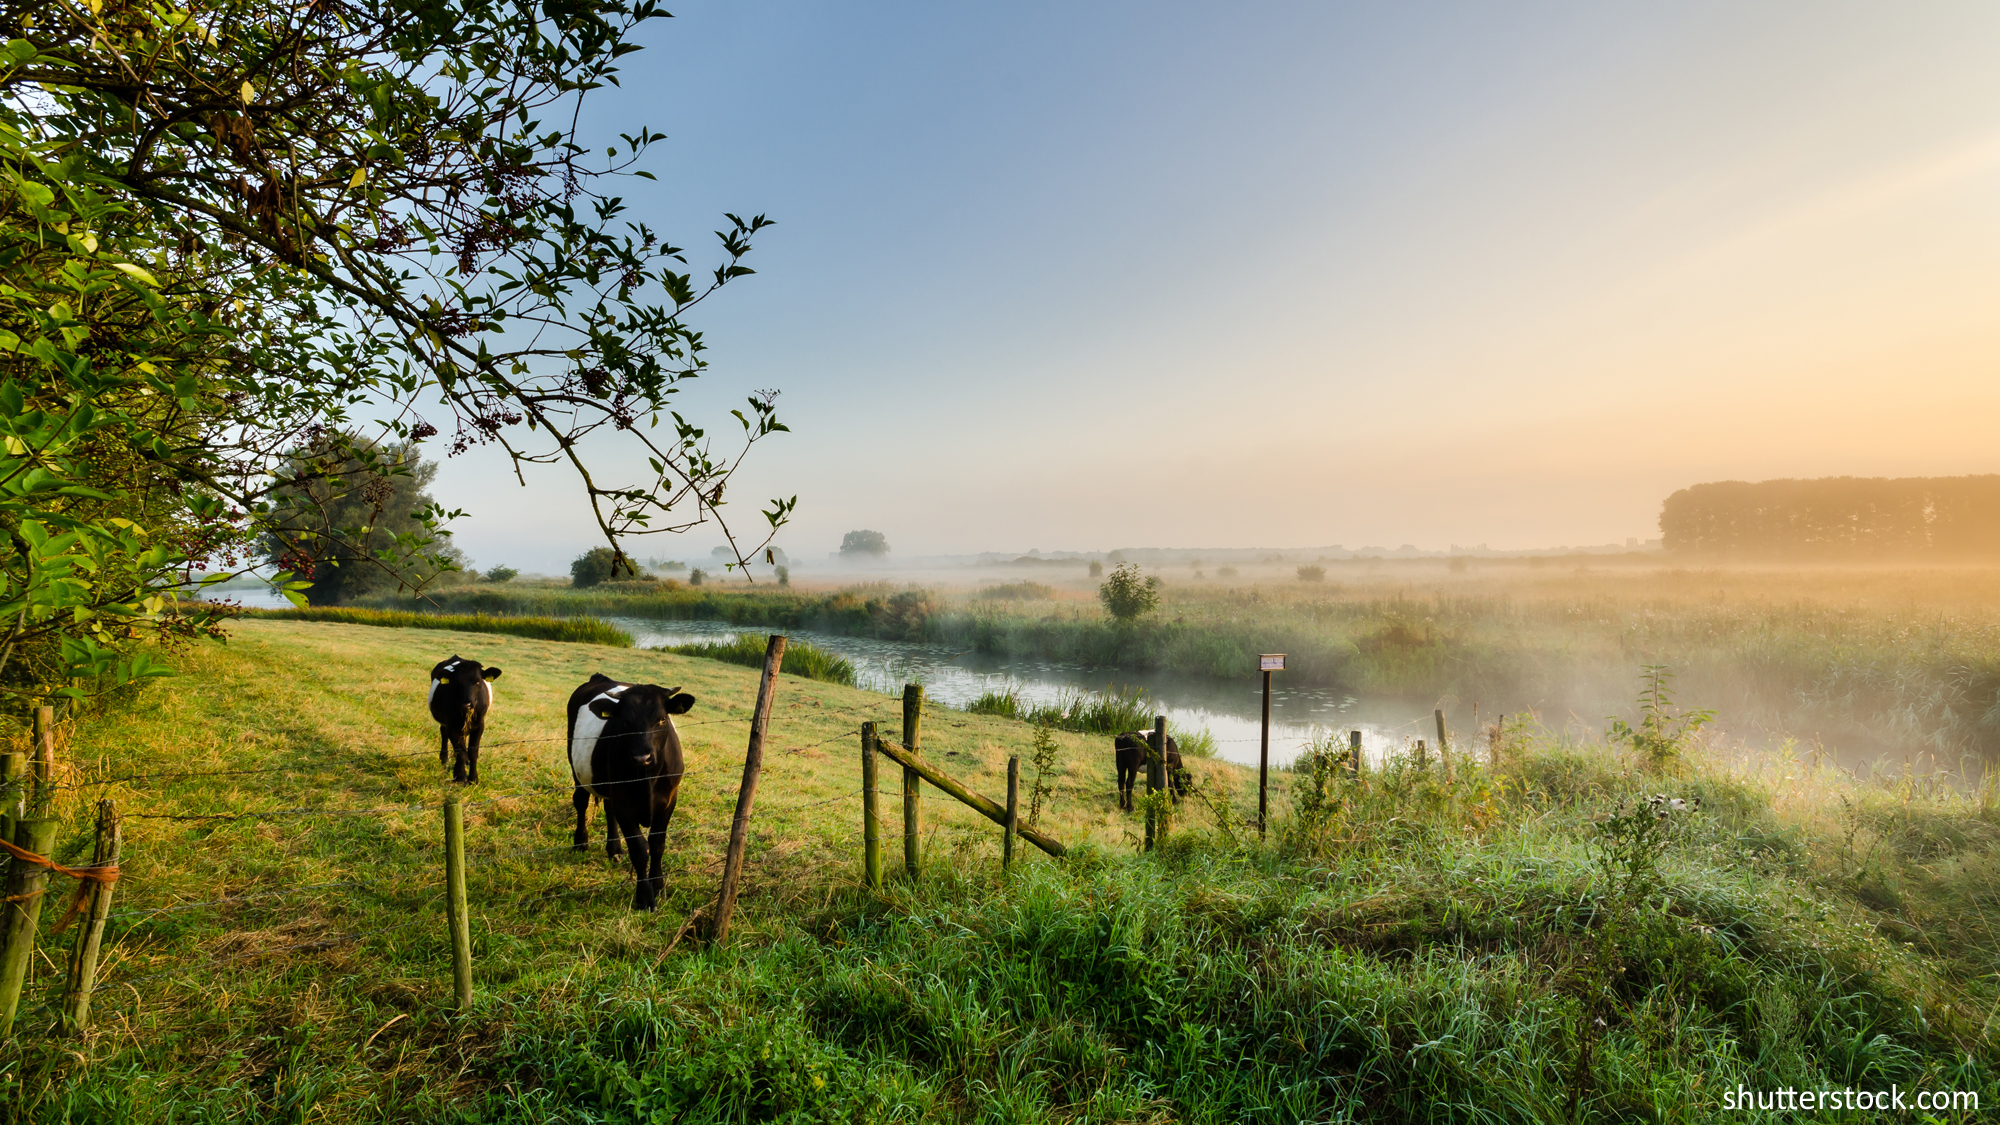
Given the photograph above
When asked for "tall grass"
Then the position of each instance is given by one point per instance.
(802, 658)
(587, 630)
(1114, 710)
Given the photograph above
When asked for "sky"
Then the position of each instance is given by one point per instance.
(1087, 275)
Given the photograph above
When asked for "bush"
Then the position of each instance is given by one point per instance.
(697, 576)
(1311, 573)
(502, 574)
(1112, 711)
(1096, 569)
(592, 567)
(784, 575)
(870, 543)
(1126, 596)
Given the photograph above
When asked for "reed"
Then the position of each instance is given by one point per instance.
(802, 658)
(584, 630)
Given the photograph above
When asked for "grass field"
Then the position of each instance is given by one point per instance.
(1411, 945)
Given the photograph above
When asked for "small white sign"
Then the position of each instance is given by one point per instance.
(1271, 662)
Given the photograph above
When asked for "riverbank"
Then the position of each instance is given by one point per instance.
(1875, 663)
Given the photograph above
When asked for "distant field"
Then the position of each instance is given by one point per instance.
(1408, 943)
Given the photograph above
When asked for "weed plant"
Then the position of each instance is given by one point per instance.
(1114, 710)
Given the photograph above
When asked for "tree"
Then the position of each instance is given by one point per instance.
(599, 564)
(226, 226)
(856, 544)
(502, 574)
(350, 519)
(1126, 596)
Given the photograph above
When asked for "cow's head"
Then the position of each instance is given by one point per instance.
(460, 673)
(639, 720)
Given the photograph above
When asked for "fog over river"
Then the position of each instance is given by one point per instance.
(1230, 709)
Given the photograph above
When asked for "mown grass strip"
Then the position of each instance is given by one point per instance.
(586, 630)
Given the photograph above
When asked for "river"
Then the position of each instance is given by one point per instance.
(1230, 710)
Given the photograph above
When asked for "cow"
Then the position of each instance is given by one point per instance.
(624, 750)
(1132, 749)
(461, 692)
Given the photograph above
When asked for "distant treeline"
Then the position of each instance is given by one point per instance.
(1837, 518)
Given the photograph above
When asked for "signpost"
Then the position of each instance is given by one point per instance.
(1267, 663)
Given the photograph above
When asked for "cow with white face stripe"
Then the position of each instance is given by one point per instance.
(624, 750)
(461, 691)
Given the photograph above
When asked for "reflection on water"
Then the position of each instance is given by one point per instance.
(1229, 710)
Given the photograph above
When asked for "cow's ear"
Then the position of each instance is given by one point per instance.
(490, 674)
(680, 704)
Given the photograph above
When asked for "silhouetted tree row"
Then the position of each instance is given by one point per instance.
(1837, 518)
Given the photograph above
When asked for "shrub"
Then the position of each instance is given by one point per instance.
(593, 567)
(1096, 569)
(1112, 711)
(784, 576)
(1128, 597)
(1312, 573)
(502, 574)
(697, 576)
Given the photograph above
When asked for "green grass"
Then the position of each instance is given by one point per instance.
(1111, 711)
(587, 630)
(1406, 946)
(802, 658)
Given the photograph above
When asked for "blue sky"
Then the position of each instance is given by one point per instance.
(1080, 276)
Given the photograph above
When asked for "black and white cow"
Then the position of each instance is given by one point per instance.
(623, 749)
(461, 691)
(1131, 750)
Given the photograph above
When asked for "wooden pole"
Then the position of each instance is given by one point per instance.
(13, 792)
(871, 814)
(1423, 756)
(1354, 753)
(454, 900)
(90, 940)
(1013, 812)
(44, 761)
(1444, 744)
(22, 912)
(746, 793)
(1156, 781)
(1499, 730)
(1264, 762)
(913, 785)
(986, 808)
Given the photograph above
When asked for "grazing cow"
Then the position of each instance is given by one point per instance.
(1131, 749)
(623, 749)
(461, 691)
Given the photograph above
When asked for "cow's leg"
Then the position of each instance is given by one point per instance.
(444, 746)
(458, 755)
(477, 728)
(637, 849)
(1126, 775)
(663, 814)
(581, 799)
(610, 831)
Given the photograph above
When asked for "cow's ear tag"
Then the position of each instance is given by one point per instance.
(604, 714)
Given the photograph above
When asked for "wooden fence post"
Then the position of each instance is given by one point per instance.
(13, 792)
(993, 811)
(22, 911)
(746, 793)
(1354, 753)
(454, 900)
(44, 763)
(1423, 756)
(1444, 743)
(913, 782)
(871, 814)
(1013, 812)
(1156, 774)
(90, 939)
